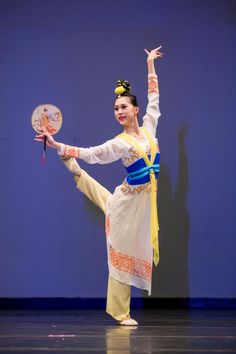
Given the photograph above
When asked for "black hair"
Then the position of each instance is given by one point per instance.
(123, 89)
(132, 98)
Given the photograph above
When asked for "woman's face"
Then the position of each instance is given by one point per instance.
(125, 112)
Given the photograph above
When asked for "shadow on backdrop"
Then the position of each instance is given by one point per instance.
(171, 275)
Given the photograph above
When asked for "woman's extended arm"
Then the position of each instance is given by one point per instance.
(108, 152)
(150, 120)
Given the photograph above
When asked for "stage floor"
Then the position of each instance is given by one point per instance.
(92, 331)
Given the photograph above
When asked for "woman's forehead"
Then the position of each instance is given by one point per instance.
(122, 100)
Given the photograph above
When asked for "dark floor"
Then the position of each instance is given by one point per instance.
(92, 331)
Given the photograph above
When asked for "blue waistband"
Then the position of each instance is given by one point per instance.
(139, 172)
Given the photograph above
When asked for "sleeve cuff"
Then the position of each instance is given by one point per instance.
(152, 76)
(69, 151)
(61, 150)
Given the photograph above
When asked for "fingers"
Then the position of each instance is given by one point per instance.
(155, 53)
(39, 138)
(153, 50)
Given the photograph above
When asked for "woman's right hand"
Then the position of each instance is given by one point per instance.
(50, 141)
(154, 54)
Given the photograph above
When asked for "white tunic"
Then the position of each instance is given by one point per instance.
(128, 209)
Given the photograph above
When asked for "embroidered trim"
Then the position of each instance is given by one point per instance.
(153, 86)
(132, 190)
(134, 155)
(129, 264)
(70, 151)
(107, 226)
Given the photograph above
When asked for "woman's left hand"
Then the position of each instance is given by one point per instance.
(154, 54)
(49, 139)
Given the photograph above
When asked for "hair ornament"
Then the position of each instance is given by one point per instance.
(122, 87)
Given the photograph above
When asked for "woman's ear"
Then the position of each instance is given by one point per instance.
(136, 110)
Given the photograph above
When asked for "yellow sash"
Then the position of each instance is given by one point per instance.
(154, 216)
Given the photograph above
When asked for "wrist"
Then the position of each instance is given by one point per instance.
(60, 150)
(57, 146)
(152, 75)
(151, 67)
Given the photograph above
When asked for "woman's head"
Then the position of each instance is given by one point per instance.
(126, 105)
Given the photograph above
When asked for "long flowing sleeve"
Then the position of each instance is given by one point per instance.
(150, 120)
(108, 152)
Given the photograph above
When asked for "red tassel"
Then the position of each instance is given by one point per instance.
(43, 158)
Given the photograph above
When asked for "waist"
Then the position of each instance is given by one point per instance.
(139, 173)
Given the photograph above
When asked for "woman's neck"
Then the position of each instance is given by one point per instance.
(132, 129)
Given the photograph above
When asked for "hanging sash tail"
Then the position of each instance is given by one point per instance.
(143, 171)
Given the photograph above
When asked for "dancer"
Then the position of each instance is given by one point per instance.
(131, 212)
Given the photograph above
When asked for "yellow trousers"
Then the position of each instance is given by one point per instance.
(118, 294)
(118, 299)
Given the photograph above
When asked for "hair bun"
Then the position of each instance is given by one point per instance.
(122, 87)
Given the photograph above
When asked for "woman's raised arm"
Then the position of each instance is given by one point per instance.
(150, 120)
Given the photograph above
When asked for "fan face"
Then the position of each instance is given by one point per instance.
(47, 117)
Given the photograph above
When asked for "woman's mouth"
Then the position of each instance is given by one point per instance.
(121, 118)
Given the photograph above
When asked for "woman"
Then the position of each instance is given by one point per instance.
(131, 213)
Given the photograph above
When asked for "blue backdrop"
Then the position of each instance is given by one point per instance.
(70, 53)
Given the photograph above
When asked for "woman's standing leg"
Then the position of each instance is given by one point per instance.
(118, 299)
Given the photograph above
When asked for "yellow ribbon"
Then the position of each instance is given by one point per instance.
(154, 216)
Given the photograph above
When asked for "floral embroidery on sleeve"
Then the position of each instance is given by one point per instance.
(70, 151)
(153, 85)
(107, 226)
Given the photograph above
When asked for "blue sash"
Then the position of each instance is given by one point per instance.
(139, 172)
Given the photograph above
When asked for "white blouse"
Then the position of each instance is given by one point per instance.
(117, 148)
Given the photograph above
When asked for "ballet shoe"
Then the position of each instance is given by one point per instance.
(128, 322)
